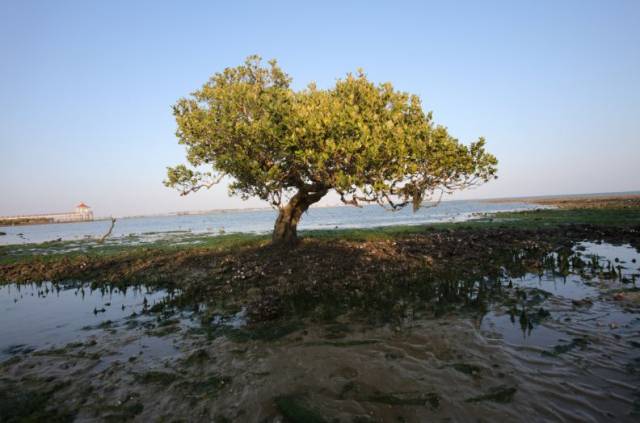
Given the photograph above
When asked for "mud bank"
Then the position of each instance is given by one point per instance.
(265, 276)
(489, 324)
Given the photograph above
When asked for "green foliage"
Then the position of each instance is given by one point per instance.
(370, 143)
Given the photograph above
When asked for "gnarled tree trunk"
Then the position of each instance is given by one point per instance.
(285, 231)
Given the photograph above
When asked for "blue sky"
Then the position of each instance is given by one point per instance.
(87, 87)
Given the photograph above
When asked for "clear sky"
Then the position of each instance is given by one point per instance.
(87, 87)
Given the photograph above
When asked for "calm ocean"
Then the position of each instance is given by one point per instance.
(255, 221)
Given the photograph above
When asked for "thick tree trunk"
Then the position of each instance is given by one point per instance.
(285, 231)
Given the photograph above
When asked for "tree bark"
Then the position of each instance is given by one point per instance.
(285, 230)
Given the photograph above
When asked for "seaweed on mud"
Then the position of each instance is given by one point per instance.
(564, 348)
(66, 352)
(468, 369)
(119, 413)
(501, 394)
(633, 366)
(295, 409)
(348, 388)
(635, 409)
(355, 391)
(123, 412)
(11, 361)
(207, 387)
(164, 330)
(198, 357)
(267, 331)
(352, 343)
(18, 349)
(107, 324)
(431, 399)
(21, 405)
(336, 330)
(156, 377)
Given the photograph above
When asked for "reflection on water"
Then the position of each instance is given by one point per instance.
(560, 342)
(46, 314)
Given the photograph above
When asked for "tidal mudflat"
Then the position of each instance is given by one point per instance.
(543, 324)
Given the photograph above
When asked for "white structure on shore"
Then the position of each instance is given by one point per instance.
(84, 212)
(81, 213)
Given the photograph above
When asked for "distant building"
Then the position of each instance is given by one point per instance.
(81, 213)
(84, 212)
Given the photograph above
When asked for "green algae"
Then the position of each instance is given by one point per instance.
(266, 332)
(564, 348)
(468, 369)
(502, 394)
(119, 413)
(296, 409)
(156, 377)
(198, 357)
(209, 386)
(343, 344)
(22, 405)
(431, 399)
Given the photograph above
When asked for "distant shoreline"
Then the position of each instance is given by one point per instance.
(526, 199)
(559, 200)
(600, 200)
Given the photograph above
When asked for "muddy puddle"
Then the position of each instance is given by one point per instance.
(561, 344)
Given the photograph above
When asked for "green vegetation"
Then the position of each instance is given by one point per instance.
(54, 250)
(553, 217)
(369, 143)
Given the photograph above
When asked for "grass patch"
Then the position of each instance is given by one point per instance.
(554, 217)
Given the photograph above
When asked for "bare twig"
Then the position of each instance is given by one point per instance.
(105, 236)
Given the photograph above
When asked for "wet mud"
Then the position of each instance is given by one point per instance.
(450, 325)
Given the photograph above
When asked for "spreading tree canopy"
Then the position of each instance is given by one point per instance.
(367, 142)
